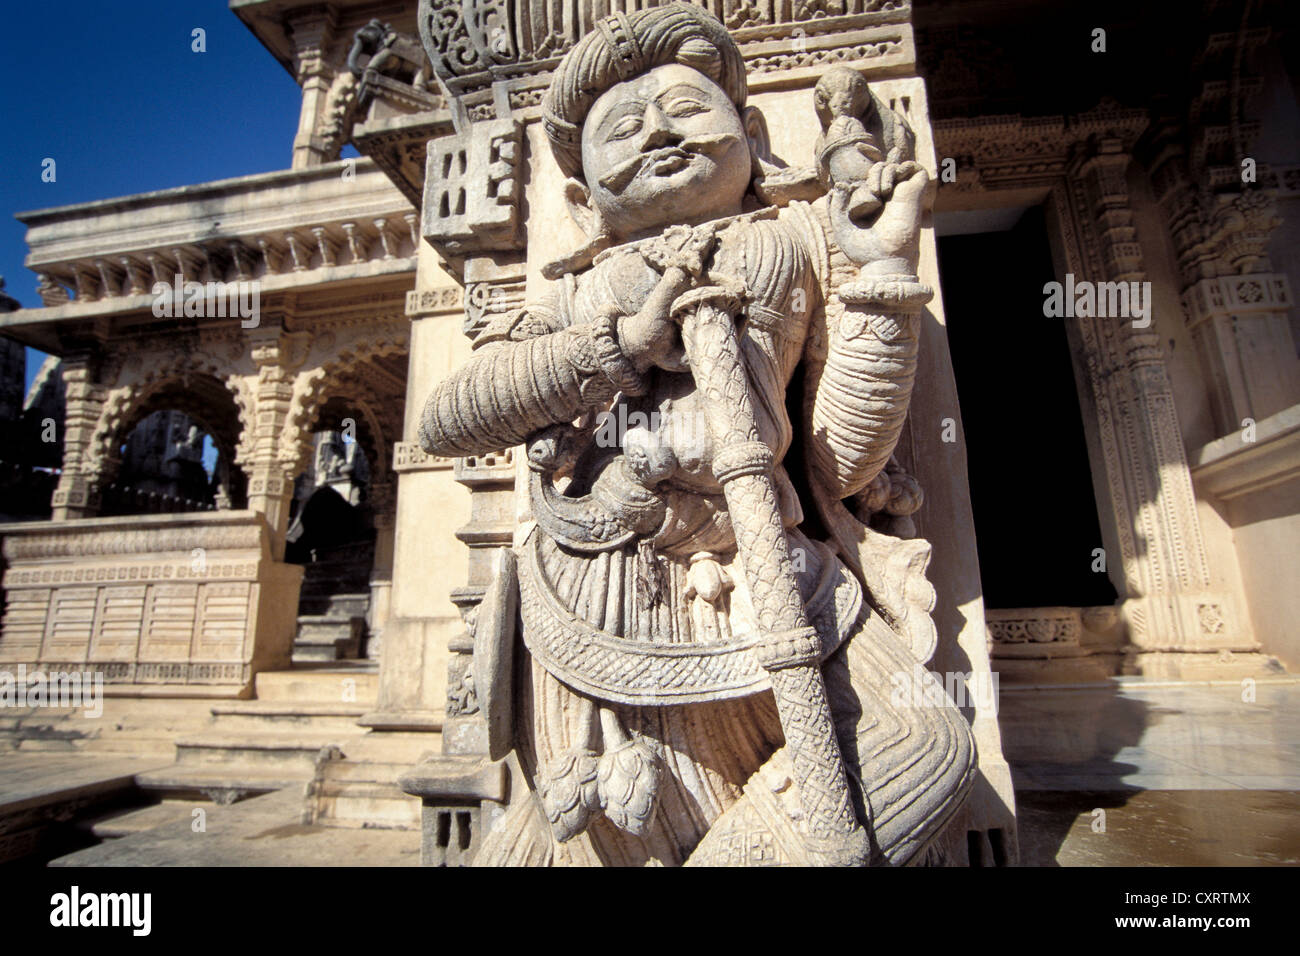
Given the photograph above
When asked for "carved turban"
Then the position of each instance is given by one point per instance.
(625, 45)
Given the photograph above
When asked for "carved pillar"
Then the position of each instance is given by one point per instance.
(383, 502)
(1222, 216)
(268, 460)
(473, 221)
(1245, 342)
(1169, 606)
(428, 505)
(492, 289)
(77, 494)
(1236, 306)
(491, 481)
(310, 34)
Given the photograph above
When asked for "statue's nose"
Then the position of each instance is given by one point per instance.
(657, 130)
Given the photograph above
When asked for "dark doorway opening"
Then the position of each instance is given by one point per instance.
(1031, 489)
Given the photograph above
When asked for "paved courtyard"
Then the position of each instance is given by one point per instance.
(1123, 774)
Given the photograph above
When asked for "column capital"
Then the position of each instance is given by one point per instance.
(1238, 295)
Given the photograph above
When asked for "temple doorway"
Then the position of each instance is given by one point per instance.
(1031, 482)
(331, 534)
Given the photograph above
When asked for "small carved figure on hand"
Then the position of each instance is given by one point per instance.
(862, 146)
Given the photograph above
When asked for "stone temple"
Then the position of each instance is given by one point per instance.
(722, 433)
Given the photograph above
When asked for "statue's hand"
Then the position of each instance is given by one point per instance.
(886, 242)
(651, 337)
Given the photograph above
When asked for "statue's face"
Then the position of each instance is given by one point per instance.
(664, 148)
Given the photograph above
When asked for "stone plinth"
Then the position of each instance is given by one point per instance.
(155, 600)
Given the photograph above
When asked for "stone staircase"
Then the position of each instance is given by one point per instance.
(334, 634)
(300, 730)
(333, 605)
(299, 734)
(298, 719)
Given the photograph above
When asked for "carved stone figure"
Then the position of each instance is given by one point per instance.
(715, 643)
(387, 52)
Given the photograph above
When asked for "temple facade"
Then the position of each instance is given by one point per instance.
(244, 536)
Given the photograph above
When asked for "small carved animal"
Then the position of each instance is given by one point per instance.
(858, 133)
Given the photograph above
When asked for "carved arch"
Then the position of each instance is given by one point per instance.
(344, 375)
(132, 399)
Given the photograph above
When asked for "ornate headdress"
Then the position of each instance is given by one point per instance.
(625, 45)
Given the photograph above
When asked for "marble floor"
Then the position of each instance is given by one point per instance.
(1159, 828)
(1156, 774)
(1131, 735)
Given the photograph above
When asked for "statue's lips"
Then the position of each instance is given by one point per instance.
(666, 161)
(661, 162)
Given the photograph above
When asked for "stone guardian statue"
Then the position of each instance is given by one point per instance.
(715, 641)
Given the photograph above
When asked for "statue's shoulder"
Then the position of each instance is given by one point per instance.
(806, 223)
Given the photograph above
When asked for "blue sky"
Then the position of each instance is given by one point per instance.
(115, 95)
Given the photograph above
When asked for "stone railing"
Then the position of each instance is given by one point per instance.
(278, 228)
(190, 599)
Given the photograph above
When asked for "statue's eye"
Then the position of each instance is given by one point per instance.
(684, 106)
(628, 126)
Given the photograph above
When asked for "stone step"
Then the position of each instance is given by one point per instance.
(328, 638)
(257, 716)
(129, 726)
(295, 753)
(348, 794)
(336, 577)
(47, 745)
(140, 745)
(329, 626)
(334, 605)
(320, 653)
(345, 684)
(98, 740)
(112, 826)
(362, 789)
(406, 747)
(222, 784)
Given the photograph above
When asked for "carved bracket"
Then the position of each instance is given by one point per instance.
(471, 189)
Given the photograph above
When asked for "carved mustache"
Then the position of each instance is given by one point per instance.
(617, 178)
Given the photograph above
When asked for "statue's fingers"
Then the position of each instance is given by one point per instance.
(907, 170)
(887, 181)
(911, 186)
(873, 177)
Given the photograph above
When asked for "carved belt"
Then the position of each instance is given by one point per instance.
(613, 668)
